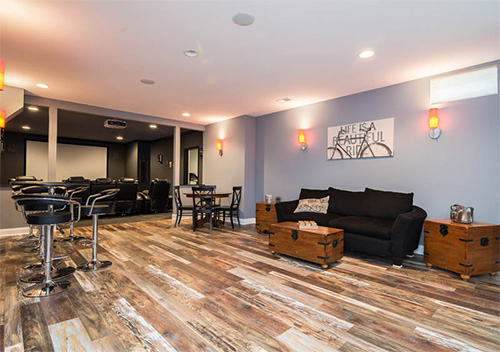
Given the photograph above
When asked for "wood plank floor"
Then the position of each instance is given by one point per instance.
(170, 289)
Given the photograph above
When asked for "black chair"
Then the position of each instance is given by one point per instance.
(101, 184)
(50, 279)
(178, 205)
(74, 194)
(233, 209)
(81, 195)
(156, 198)
(203, 204)
(126, 199)
(95, 210)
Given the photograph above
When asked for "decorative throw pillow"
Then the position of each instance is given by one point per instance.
(311, 205)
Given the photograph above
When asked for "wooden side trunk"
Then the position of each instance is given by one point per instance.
(265, 214)
(467, 249)
(322, 246)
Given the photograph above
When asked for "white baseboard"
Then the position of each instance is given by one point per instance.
(245, 221)
(16, 231)
(419, 250)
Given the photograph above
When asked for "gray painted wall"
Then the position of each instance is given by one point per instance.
(237, 166)
(461, 167)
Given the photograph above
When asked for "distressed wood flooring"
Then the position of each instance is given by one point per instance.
(170, 289)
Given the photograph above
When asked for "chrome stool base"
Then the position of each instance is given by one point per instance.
(40, 265)
(31, 249)
(70, 239)
(46, 289)
(94, 265)
(55, 274)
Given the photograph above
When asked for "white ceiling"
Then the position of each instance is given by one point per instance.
(96, 52)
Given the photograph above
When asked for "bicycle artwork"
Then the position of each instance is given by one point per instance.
(369, 139)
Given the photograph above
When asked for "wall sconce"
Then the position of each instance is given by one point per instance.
(434, 131)
(219, 146)
(2, 119)
(2, 127)
(160, 158)
(302, 140)
(2, 74)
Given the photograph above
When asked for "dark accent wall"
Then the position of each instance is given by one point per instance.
(131, 159)
(189, 140)
(13, 160)
(163, 147)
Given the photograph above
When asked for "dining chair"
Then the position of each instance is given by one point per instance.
(179, 207)
(203, 203)
(233, 208)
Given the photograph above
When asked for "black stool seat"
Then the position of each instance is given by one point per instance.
(98, 209)
(49, 218)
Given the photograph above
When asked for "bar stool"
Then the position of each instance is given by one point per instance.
(49, 280)
(95, 210)
(71, 237)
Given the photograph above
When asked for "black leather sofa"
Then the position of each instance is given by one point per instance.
(126, 199)
(374, 221)
(156, 199)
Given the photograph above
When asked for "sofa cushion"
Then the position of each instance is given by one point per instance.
(312, 205)
(362, 225)
(384, 204)
(313, 193)
(347, 203)
(321, 219)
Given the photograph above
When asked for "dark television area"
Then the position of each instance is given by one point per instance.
(139, 154)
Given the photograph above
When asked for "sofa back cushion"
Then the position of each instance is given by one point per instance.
(313, 193)
(388, 205)
(347, 203)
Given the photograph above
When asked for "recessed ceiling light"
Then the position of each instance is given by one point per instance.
(284, 100)
(191, 53)
(33, 108)
(119, 138)
(26, 127)
(153, 126)
(147, 81)
(243, 19)
(186, 114)
(366, 54)
(42, 85)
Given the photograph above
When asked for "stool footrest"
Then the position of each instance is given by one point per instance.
(95, 265)
(45, 290)
(55, 274)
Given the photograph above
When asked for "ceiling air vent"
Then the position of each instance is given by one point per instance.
(116, 124)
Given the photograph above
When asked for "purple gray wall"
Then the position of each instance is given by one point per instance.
(461, 167)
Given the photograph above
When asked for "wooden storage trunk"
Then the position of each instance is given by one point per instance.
(467, 249)
(322, 246)
(265, 214)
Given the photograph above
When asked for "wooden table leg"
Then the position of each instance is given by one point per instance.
(324, 266)
(465, 277)
(494, 274)
(429, 265)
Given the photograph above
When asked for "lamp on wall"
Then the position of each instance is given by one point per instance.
(2, 127)
(219, 146)
(302, 140)
(434, 131)
(2, 74)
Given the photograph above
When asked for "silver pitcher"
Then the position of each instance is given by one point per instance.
(462, 214)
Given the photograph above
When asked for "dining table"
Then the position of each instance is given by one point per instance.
(206, 217)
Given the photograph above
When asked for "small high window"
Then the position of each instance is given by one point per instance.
(471, 84)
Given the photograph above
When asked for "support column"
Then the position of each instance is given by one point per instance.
(177, 162)
(52, 158)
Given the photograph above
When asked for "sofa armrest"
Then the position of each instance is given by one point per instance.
(285, 209)
(406, 231)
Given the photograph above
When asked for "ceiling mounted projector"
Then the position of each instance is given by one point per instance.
(116, 124)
